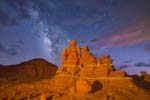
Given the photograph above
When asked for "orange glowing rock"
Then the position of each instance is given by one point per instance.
(87, 57)
(64, 56)
(43, 97)
(117, 74)
(79, 61)
(101, 71)
(70, 55)
(83, 86)
(106, 61)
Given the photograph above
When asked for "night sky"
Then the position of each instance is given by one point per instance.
(41, 28)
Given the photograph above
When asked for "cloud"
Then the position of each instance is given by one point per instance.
(127, 61)
(142, 64)
(5, 19)
(13, 11)
(120, 67)
(130, 25)
(10, 51)
(147, 48)
(15, 3)
(130, 35)
(69, 13)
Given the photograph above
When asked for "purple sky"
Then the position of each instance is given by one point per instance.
(41, 28)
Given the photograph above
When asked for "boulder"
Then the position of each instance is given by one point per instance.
(83, 86)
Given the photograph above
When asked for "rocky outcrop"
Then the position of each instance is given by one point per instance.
(145, 76)
(80, 62)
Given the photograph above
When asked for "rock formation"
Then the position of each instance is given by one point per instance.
(145, 76)
(80, 62)
(81, 76)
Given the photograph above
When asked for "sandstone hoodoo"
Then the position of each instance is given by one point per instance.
(80, 62)
(82, 76)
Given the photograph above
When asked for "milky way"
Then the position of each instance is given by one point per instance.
(51, 36)
(41, 28)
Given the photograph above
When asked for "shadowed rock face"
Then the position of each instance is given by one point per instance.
(96, 86)
(145, 76)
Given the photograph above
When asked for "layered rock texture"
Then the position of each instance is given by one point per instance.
(81, 76)
(80, 62)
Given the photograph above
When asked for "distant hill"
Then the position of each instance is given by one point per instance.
(34, 69)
